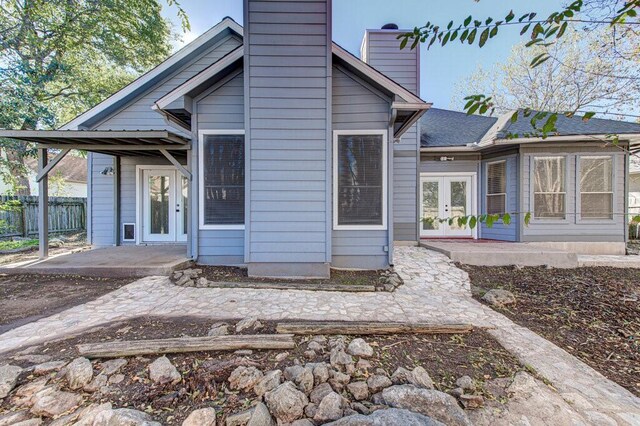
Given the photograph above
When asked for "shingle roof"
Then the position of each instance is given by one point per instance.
(441, 127)
(571, 126)
(71, 168)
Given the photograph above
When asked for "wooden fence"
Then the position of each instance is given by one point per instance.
(19, 215)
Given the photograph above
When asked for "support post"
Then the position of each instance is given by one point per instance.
(116, 200)
(43, 205)
(56, 160)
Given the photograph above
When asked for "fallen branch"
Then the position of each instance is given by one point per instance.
(363, 328)
(116, 349)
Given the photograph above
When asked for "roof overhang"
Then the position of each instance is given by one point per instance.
(121, 143)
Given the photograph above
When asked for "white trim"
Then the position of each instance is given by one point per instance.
(383, 226)
(532, 190)
(201, 134)
(199, 78)
(595, 220)
(223, 25)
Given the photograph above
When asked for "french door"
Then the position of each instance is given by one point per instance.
(444, 197)
(164, 205)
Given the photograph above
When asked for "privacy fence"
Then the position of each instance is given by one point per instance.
(19, 215)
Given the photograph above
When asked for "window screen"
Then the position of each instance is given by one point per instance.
(596, 187)
(549, 187)
(223, 174)
(360, 179)
(496, 187)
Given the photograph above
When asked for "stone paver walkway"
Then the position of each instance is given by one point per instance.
(435, 290)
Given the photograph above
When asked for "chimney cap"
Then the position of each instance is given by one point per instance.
(390, 27)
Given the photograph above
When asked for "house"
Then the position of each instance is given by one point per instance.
(272, 147)
(634, 186)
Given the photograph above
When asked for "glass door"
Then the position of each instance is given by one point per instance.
(444, 197)
(431, 200)
(159, 205)
(182, 196)
(457, 203)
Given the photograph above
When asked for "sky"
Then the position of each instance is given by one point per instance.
(442, 67)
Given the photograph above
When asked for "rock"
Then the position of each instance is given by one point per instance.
(261, 416)
(281, 356)
(315, 346)
(301, 376)
(390, 417)
(30, 422)
(302, 422)
(99, 381)
(471, 401)
(184, 280)
(113, 366)
(248, 323)
(337, 342)
(243, 352)
(87, 415)
(161, 371)
(286, 402)
(51, 402)
(378, 382)
(202, 282)
(310, 354)
(23, 395)
(499, 297)
(79, 373)
(244, 378)
(338, 380)
(310, 410)
(358, 347)
(359, 390)
(432, 403)
(421, 378)
(48, 367)
(218, 329)
(14, 417)
(201, 417)
(116, 378)
(457, 392)
(124, 417)
(339, 358)
(319, 393)
(8, 378)
(363, 365)
(400, 376)
(466, 383)
(239, 419)
(320, 372)
(360, 408)
(330, 408)
(270, 381)
(32, 358)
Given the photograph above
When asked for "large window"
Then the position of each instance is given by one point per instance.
(496, 187)
(596, 187)
(359, 181)
(549, 183)
(222, 180)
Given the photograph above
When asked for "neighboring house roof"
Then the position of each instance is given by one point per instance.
(445, 128)
(71, 168)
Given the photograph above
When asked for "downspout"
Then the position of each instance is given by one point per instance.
(390, 180)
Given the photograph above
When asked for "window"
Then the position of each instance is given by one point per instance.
(596, 187)
(222, 180)
(360, 180)
(496, 187)
(549, 183)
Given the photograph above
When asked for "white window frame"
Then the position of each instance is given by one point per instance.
(579, 189)
(201, 134)
(532, 193)
(385, 148)
(486, 186)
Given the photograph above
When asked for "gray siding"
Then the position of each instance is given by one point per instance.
(101, 191)
(288, 59)
(382, 51)
(138, 115)
(357, 107)
(574, 229)
(499, 231)
(457, 166)
(222, 108)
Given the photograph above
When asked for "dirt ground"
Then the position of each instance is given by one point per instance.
(593, 313)
(26, 298)
(445, 357)
(57, 245)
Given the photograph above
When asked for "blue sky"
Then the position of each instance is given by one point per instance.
(442, 68)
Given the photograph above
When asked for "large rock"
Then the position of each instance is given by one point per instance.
(244, 378)
(378, 382)
(286, 402)
(358, 347)
(359, 390)
(261, 416)
(390, 417)
(319, 392)
(330, 408)
(499, 297)
(8, 378)
(23, 395)
(161, 371)
(14, 417)
(418, 376)
(301, 376)
(51, 402)
(124, 417)
(48, 367)
(201, 417)
(432, 403)
(320, 372)
(339, 358)
(270, 381)
(79, 373)
(87, 416)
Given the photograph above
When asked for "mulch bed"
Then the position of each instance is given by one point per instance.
(445, 357)
(593, 313)
(26, 298)
(338, 276)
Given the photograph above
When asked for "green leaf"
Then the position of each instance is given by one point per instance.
(446, 38)
(509, 17)
(514, 117)
(473, 221)
(404, 42)
(587, 116)
(472, 35)
(490, 219)
(484, 37)
(467, 21)
(527, 219)
(563, 28)
(506, 219)
(494, 32)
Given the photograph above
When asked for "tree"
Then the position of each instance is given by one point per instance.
(60, 57)
(581, 76)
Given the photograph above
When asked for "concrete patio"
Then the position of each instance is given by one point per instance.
(121, 261)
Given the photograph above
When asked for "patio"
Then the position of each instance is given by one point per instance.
(120, 261)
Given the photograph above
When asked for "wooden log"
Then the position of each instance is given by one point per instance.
(355, 288)
(115, 349)
(364, 328)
